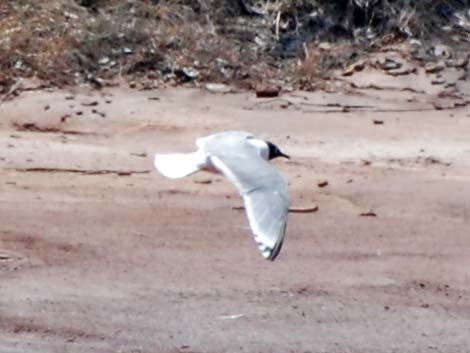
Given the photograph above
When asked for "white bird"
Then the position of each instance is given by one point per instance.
(243, 160)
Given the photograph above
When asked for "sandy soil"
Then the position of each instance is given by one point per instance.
(99, 253)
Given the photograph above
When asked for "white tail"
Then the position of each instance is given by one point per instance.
(180, 165)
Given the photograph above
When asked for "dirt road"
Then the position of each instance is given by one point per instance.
(99, 253)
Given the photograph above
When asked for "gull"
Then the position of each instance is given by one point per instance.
(243, 159)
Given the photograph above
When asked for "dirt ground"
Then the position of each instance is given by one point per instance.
(99, 253)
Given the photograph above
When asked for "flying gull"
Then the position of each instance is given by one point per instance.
(243, 159)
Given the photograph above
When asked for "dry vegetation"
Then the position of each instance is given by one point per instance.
(66, 42)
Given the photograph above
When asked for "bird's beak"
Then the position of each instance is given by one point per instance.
(284, 155)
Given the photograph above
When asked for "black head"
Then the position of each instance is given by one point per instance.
(274, 151)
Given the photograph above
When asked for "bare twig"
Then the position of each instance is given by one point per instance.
(306, 53)
(311, 209)
(81, 171)
(278, 19)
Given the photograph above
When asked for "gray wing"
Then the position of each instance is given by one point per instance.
(263, 188)
(211, 142)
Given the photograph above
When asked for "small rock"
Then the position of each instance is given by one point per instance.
(322, 183)
(203, 181)
(403, 70)
(218, 88)
(4, 257)
(415, 43)
(356, 67)
(70, 15)
(142, 155)
(47, 107)
(104, 61)
(324, 46)
(190, 72)
(441, 50)
(90, 103)
(64, 118)
(378, 122)
(267, 91)
(390, 63)
(432, 68)
(368, 214)
(438, 81)
(221, 62)
(79, 112)
(152, 75)
(127, 50)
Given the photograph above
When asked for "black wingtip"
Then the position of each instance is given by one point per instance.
(275, 252)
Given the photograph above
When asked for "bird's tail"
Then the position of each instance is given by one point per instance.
(180, 165)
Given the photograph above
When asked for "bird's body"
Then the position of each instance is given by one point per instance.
(243, 159)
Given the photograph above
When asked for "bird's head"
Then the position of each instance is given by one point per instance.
(275, 152)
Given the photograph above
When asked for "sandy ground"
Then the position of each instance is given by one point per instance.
(99, 253)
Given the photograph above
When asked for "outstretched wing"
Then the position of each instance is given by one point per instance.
(263, 188)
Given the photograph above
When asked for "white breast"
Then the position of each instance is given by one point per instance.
(261, 146)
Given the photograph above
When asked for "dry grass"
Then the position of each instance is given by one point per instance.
(63, 43)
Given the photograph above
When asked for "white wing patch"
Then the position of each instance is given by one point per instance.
(179, 165)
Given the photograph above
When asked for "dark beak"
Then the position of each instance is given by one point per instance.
(284, 155)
